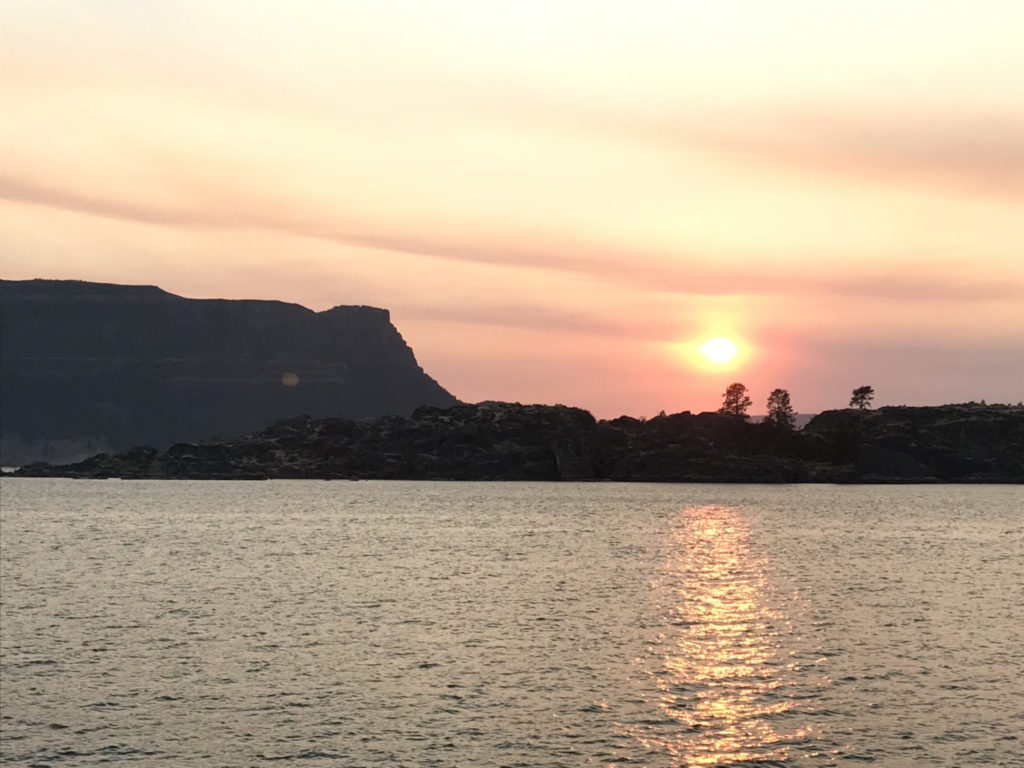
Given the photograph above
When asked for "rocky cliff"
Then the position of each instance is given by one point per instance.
(502, 441)
(88, 366)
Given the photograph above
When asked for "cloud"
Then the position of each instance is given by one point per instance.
(546, 319)
(976, 153)
(969, 148)
(635, 269)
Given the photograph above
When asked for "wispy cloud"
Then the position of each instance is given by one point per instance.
(973, 152)
(665, 273)
(977, 150)
(543, 319)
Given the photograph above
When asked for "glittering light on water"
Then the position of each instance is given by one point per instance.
(720, 668)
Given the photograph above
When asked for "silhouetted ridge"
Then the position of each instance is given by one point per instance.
(88, 366)
(509, 441)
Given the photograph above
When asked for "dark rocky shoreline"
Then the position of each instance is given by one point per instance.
(967, 443)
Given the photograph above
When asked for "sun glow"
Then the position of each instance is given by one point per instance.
(719, 351)
(714, 353)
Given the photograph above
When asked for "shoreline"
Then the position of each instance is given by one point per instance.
(961, 444)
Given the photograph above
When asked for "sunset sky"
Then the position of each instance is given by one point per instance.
(556, 200)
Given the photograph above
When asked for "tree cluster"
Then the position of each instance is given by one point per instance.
(781, 416)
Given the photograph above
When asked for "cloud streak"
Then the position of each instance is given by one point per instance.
(640, 271)
(976, 153)
(975, 149)
(542, 319)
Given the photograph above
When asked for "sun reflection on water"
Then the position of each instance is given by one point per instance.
(722, 673)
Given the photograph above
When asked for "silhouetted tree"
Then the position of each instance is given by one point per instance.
(862, 397)
(780, 411)
(736, 400)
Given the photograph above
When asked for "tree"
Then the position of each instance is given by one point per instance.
(780, 411)
(736, 400)
(862, 397)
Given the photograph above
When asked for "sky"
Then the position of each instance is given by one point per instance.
(558, 201)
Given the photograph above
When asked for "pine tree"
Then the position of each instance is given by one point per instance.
(780, 411)
(862, 397)
(736, 400)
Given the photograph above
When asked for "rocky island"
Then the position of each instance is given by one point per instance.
(966, 443)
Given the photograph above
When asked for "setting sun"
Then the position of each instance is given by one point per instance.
(714, 354)
(719, 351)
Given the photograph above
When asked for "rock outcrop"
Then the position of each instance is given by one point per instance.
(88, 366)
(502, 441)
(966, 442)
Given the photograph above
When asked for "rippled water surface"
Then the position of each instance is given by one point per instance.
(441, 624)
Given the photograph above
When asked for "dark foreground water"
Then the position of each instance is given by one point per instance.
(413, 624)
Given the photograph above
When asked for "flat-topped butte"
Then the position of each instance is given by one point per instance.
(88, 367)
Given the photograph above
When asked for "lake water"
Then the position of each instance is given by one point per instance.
(443, 624)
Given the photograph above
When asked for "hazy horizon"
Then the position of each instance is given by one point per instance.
(557, 203)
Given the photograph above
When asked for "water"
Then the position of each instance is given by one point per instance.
(441, 624)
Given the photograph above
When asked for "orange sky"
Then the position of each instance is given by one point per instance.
(553, 198)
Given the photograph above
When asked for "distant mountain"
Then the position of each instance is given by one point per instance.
(89, 366)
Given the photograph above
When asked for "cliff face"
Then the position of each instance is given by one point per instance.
(502, 441)
(88, 365)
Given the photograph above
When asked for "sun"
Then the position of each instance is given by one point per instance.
(719, 351)
(715, 353)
